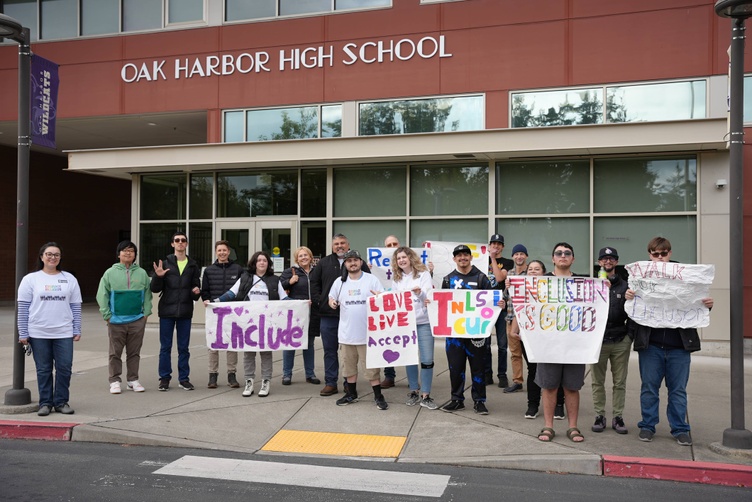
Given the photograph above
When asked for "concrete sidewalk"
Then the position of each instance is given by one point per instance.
(224, 420)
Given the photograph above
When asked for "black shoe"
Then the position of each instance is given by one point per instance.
(381, 403)
(513, 388)
(232, 381)
(532, 412)
(164, 384)
(480, 408)
(646, 435)
(313, 380)
(213, 380)
(600, 424)
(489, 380)
(286, 380)
(64, 409)
(186, 385)
(684, 439)
(617, 424)
(503, 382)
(559, 412)
(347, 399)
(453, 405)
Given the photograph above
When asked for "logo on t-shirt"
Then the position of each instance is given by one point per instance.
(53, 287)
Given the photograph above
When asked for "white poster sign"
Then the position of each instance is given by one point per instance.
(380, 262)
(463, 313)
(392, 331)
(443, 260)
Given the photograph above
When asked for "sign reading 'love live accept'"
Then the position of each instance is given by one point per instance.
(462, 313)
(561, 319)
(392, 332)
(257, 326)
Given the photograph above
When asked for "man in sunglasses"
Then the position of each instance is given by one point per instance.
(664, 354)
(178, 279)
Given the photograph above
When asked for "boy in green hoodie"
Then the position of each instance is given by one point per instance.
(124, 300)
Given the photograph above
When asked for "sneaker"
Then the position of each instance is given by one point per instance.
(212, 381)
(64, 409)
(136, 386)
(381, 403)
(684, 439)
(115, 388)
(503, 382)
(44, 411)
(164, 384)
(600, 424)
(264, 390)
(286, 380)
(513, 388)
(559, 412)
(532, 412)
(428, 402)
(347, 399)
(453, 405)
(186, 385)
(646, 435)
(480, 408)
(413, 398)
(248, 391)
(617, 424)
(232, 381)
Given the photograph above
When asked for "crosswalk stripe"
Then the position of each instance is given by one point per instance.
(333, 478)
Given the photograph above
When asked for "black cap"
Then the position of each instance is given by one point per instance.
(462, 248)
(496, 238)
(607, 251)
(352, 254)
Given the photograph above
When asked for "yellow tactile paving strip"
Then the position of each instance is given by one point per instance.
(331, 443)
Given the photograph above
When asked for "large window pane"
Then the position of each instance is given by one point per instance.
(630, 236)
(100, 17)
(331, 121)
(645, 185)
(360, 4)
(262, 194)
(201, 243)
(234, 127)
(59, 19)
(291, 7)
(313, 234)
(655, 102)
(185, 11)
(449, 190)
(202, 194)
(447, 230)
(155, 242)
(547, 187)
(25, 12)
(286, 123)
(540, 235)
(748, 102)
(313, 193)
(422, 115)
(365, 234)
(557, 108)
(142, 15)
(375, 191)
(237, 10)
(163, 197)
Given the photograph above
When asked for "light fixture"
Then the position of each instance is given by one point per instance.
(10, 28)
(735, 9)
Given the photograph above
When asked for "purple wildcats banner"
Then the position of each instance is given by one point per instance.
(44, 85)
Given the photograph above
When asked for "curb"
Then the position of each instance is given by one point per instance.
(49, 431)
(678, 470)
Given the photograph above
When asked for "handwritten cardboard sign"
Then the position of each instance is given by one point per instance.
(561, 319)
(443, 260)
(669, 295)
(380, 262)
(392, 331)
(257, 326)
(463, 313)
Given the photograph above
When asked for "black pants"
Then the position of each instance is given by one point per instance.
(460, 351)
(533, 391)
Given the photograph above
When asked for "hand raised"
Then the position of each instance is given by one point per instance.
(159, 270)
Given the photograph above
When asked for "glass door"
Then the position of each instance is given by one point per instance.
(279, 238)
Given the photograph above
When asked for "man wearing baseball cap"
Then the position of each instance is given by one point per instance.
(498, 268)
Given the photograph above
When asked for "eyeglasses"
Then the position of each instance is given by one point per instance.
(180, 239)
(563, 253)
(52, 255)
(127, 251)
(661, 254)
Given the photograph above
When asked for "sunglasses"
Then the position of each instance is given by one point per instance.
(180, 239)
(563, 253)
(661, 254)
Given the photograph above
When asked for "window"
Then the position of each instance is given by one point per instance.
(557, 108)
(257, 194)
(274, 124)
(202, 194)
(292, 7)
(376, 191)
(99, 17)
(449, 190)
(185, 11)
(238, 10)
(313, 193)
(154, 242)
(422, 115)
(142, 15)
(365, 234)
(59, 19)
(25, 12)
(163, 197)
(360, 4)
(543, 187)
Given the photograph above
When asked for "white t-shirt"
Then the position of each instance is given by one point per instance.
(408, 283)
(258, 292)
(51, 296)
(352, 296)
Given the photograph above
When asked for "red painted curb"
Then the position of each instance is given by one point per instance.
(50, 431)
(677, 470)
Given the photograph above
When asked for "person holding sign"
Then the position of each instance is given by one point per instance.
(349, 295)
(411, 275)
(390, 375)
(498, 268)
(664, 354)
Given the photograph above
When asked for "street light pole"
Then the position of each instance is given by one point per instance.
(10, 28)
(738, 10)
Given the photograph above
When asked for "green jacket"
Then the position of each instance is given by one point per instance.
(124, 295)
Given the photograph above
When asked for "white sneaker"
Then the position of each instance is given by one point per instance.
(248, 391)
(136, 386)
(115, 388)
(265, 384)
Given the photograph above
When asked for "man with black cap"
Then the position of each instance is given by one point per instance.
(616, 348)
(498, 268)
(514, 344)
(461, 350)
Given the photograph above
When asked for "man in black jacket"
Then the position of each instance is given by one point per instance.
(616, 348)
(177, 279)
(323, 275)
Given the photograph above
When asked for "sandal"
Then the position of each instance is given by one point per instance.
(575, 433)
(547, 433)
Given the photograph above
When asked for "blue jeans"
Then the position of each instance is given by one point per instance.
(46, 352)
(288, 360)
(425, 348)
(501, 344)
(330, 341)
(182, 325)
(657, 364)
